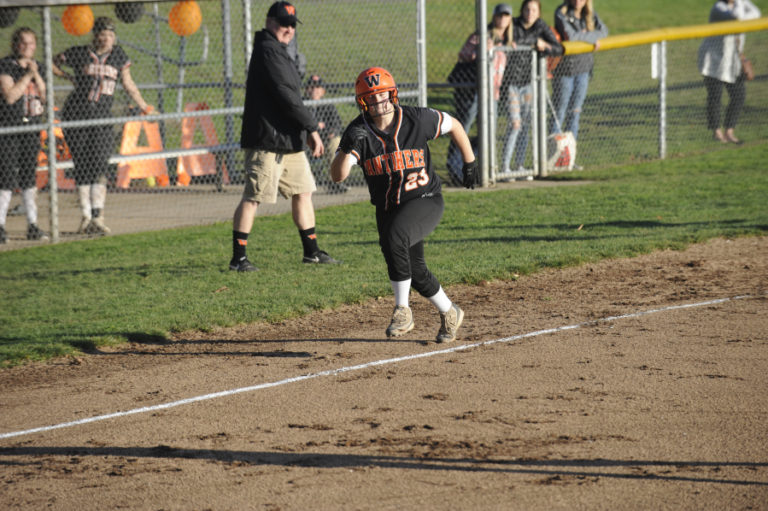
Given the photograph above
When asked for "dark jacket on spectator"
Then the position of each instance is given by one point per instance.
(274, 118)
(518, 70)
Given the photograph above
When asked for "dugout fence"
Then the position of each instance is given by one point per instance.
(181, 164)
(192, 69)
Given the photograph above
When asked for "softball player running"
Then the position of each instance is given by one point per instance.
(389, 142)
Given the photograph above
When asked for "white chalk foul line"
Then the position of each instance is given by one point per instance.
(367, 365)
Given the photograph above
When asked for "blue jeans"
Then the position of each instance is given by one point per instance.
(520, 102)
(569, 95)
(466, 112)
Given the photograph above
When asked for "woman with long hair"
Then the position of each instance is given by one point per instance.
(528, 30)
(96, 69)
(465, 71)
(575, 20)
(22, 94)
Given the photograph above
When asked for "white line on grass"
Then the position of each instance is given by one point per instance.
(332, 372)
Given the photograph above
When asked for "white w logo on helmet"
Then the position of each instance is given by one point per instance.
(372, 80)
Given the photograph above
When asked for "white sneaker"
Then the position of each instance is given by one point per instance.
(97, 226)
(84, 223)
(504, 175)
(402, 321)
(450, 323)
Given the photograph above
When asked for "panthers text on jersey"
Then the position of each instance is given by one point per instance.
(96, 77)
(397, 165)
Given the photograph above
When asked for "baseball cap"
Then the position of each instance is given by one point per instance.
(502, 9)
(284, 13)
(103, 23)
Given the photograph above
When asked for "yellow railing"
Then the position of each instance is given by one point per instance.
(667, 34)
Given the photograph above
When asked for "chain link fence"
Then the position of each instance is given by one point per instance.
(167, 153)
(180, 163)
(642, 103)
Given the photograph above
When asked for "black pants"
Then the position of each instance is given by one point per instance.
(18, 160)
(401, 237)
(737, 93)
(91, 147)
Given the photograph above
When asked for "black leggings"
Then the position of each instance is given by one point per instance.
(737, 93)
(401, 237)
(18, 160)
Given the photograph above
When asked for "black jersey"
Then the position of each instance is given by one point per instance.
(397, 166)
(96, 78)
(29, 107)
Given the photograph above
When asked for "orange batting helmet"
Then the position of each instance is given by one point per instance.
(373, 81)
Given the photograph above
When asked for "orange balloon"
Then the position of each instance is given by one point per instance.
(185, 18)
(77, 19)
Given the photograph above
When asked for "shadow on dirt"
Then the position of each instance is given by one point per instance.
(572, 468)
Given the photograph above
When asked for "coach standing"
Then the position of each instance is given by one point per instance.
(274, 124)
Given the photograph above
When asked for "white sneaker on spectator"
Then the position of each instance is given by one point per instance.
(504, 175)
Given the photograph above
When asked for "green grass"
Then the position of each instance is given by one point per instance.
(57, 300)
(81, 295)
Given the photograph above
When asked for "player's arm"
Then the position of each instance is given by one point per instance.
(348, 153)
(133, 91)
(459, 137)
(13, 91)
(341, 166)
(56, 66)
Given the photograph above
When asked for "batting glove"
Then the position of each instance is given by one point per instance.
(353, 138)
(471, 176)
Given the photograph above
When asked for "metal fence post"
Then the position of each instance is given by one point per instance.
(493, 117)
(53, 185)
(483, 100)
(662, 48)
(542, 113)
(421, 50)
(229, 124)
(247, 34)
(534, 111)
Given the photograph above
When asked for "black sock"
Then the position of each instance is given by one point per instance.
(239, 242)
(309, 241)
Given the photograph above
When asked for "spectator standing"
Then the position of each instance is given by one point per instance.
(22, 90)
(329, 127)
(528, 30)
(390, 143)
(721, 63)
(96, 69)
(275, 124)
(465, 99)
(575, 20)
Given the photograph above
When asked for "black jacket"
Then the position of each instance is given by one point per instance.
(274, 118)
(518, 70)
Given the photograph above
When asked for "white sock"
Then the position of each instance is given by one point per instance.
(5, 203)
(98, 195)
(84, 197)
(30, 202)
(441, 300)
(402, 290)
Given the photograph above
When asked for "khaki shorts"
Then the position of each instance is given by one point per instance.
(268, 172)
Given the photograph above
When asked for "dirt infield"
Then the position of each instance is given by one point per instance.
(662, 410)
